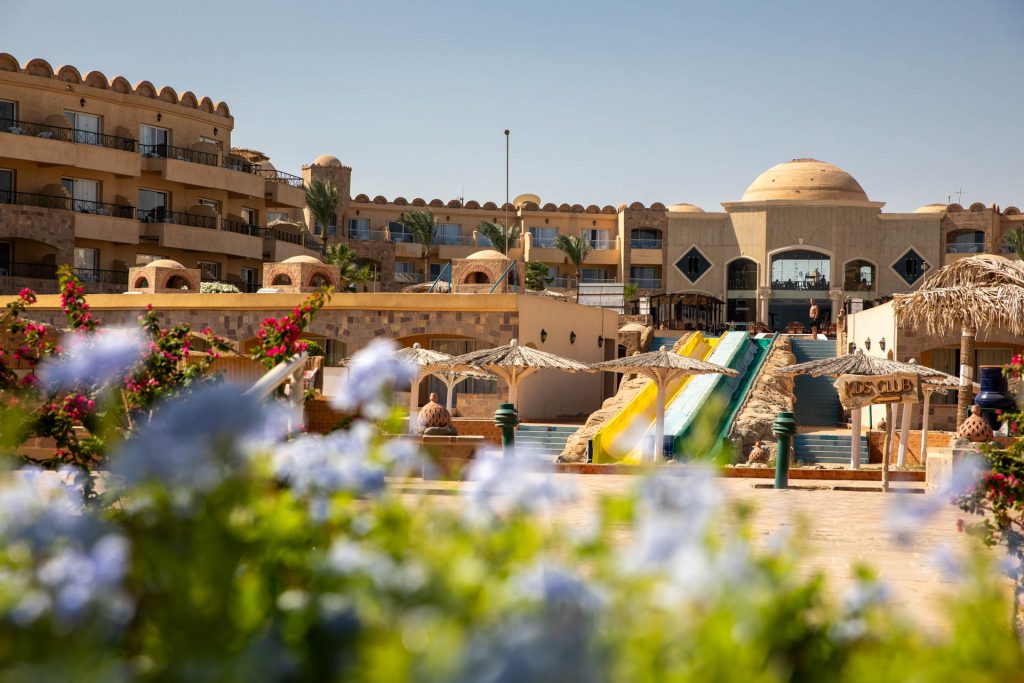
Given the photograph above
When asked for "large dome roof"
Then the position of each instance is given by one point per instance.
(805, 179)
(326, 160)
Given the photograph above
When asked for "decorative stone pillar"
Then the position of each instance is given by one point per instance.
(764, 295)
(836, 297)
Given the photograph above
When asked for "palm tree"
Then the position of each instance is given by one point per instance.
(974, 293)
(576, 250)
(536, 275)
(345, 258)
(322, 199)
(422, 225)
(1015, 240)
(495, 234)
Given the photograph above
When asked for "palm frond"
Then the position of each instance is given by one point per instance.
(422, 225)
(575, 249)
(495, 234)
(322, 199)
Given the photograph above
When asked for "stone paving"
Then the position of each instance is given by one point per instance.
(843, 528)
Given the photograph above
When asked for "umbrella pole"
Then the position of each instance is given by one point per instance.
(449, 385)
(659, 429)
(886, 448)
(924, 428)
(855, 444)
(901, 461)
(414, 399)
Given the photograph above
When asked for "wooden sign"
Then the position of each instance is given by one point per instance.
(856, 391)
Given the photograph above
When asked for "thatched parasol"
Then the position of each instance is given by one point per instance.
(661, 367)
(971, 294)
(437, 363)
(513, 363)
(861, 364)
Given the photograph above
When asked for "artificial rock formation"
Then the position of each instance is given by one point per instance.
(631, 385)
(771, 393)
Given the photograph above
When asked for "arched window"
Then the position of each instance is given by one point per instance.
(801, 270)
(645, 238)
(742, 274)
(859, 276)
(965, 242)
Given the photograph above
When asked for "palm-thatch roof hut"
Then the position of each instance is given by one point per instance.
(974, 293)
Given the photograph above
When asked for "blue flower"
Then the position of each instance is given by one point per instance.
(91, 360)
(520, 482)
(372, 371)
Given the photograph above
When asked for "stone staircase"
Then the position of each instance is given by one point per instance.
(546, 439)
(826, 449)
(817, 403)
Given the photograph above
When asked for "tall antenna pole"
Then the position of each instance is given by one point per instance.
(506, 191)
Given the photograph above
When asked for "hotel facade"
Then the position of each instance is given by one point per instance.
(105, 175)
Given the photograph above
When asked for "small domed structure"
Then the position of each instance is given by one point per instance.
(684, 207)
(327, 160)
(164, 263)
(487, 254)
(163, 276)
(807, 180)
(301, 273)
(931, 208)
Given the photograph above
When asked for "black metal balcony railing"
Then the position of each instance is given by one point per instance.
(161, 215)
(85, 137)
(819, 285)
(642, 243)
(79, 205)
(42, 201)
(164, 151)
(106, 277)
(277, 234)
(858, 286)
(310, 243)
(42, 271)
(241, 165)
(276, 176)
(241, 227)
(742, 281)
(965, 248)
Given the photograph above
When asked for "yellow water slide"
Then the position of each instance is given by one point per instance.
(620, 438)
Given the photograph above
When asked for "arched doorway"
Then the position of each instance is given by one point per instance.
(797, 277)
(859, 276)
(741, 292)
(281, 279)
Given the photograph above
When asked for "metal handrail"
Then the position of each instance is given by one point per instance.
(965, 248)
(310, 243)
(275, 176)
(161, 215)
(41, 271)
(66, 134)
(504, 274)
(165, 151)
(453, 240)
(107, 277)
(236, 164)
(241, 227)
(447, 269)
(45, 201)
(368, 235)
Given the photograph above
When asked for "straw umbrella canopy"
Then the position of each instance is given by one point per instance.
(971, 294)
(861, 364)
(661, 367)
(430, 362)
(514, 363)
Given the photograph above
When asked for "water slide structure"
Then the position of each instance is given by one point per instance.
(699, 410)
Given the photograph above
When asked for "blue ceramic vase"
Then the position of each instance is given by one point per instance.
(994, 395)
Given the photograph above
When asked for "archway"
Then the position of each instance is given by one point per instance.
(477, 277)
(797, 277)
(741, 291)
(320, 280)
(281, 279)
(140, 283)
(178, 282)
(859, 276)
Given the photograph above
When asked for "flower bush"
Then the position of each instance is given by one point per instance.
(224, 548)
(218, 288)
(281, 338)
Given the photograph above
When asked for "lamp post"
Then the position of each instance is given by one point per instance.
(506, 191)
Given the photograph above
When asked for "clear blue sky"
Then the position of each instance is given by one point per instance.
(607, 101)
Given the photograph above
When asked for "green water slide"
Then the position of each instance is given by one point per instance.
(700, 418)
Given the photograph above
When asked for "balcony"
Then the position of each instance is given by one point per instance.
(241, 165)
(283, 189)
(646, 282)
(858, 286)
(742, 282)
(965, 248)
(198, 168)
(62, 146)
(806, 285)
(164, 151)
(241, 227)
(408, 278)
(106, 277)
(367, 235)
(160, 214)
(644, 243)
(39, 271)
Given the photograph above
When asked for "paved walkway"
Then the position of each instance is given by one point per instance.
(844, 528)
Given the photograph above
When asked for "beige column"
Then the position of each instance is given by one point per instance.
(764, 294)
(836, 297)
